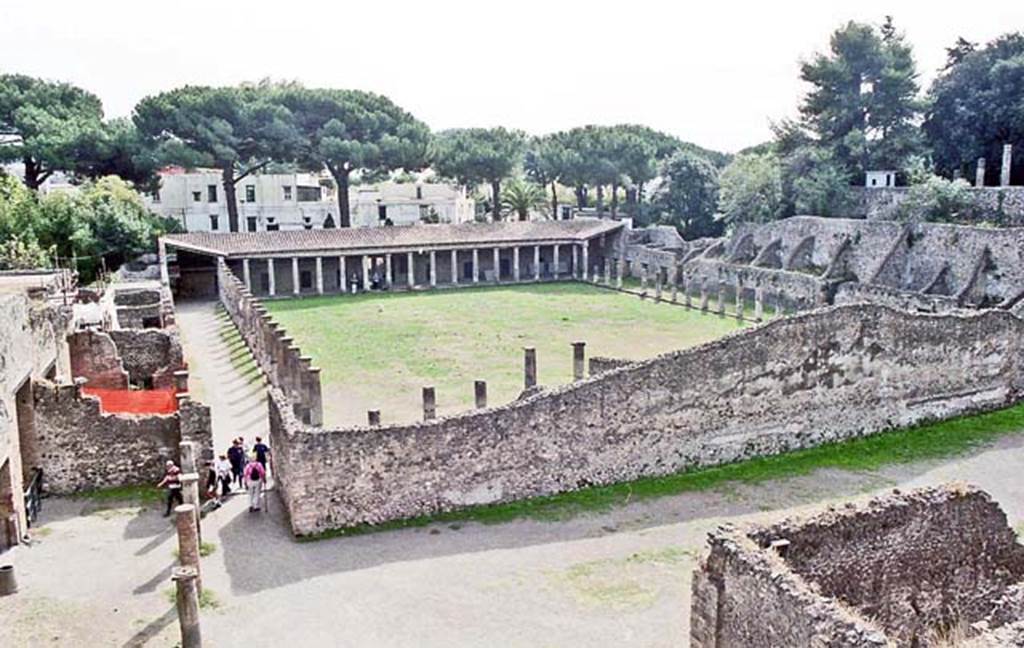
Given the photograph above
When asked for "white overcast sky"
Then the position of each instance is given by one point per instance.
(713, 72)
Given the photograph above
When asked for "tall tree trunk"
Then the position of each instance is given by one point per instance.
(227, 176)
(32, 173)
(554, 202)
(631, 193)
(600, 198)
(496, 197)
(340, 176)
(615, 198)
(581, 196)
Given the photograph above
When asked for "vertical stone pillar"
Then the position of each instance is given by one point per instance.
(778, 304)
(657, 283)
(685, 285)
(1004, 170)
(161, 250)
(721, 299)
(314, 395)
(429, 404)
(342, 275)
(643, 277)
(575, 263)
(704, 294)
(759, 303)
(536, 263)
(185, 516)
(190, 493)
(480, 393)
(433, 269)
(389, 277)
(319, 275)
(455, 267)
(555, 272)
(675, 283)
(373, 417)
(739, 300)
(529, 367)
(586, 260)
(366, 271)
(606, 264)
(476, 265)
(181, 381)
(272, 283)
(187, 602)
(496, 256)
(979, 173)
(187, 455)
(246, 277)
(622, 272)
(295, 276)
(578, 359)
(410, 270)
(515, 264)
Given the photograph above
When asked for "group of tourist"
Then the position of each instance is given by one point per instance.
(248, 469)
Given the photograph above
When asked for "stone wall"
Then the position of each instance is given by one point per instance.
(83, 448)
(792, 383)
(598, 365)
(279, 359)
(894, 571)
(1000, 205)
(150, 353)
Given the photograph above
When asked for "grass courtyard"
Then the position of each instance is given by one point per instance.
(378, 351)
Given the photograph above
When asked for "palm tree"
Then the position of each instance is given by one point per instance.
(520, 198)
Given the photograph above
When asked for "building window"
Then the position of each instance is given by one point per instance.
(419, 192)
(250, 224)
(382, 212)
(250, 194)
(308, 194)
(197, 196)
(211, 193)
(214, 224)
(273, 227)
(287, 192)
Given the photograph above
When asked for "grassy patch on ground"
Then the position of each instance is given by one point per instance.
(205, 549)
(377, 351)
(922, 442)
(119, 495)
(208, 599)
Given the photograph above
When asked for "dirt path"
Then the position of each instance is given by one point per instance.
(616, 578)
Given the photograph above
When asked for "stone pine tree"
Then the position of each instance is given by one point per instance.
(117, 148)
(473, 156)
(238, 130)
(977, 105)
(346, 131)
(547, 163)
(689, 196)
(42, 124)
(863, 103)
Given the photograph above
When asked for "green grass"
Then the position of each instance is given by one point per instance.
(117, 495)
(378, 351)
(205, 549)
(923, 442)
(208, 600)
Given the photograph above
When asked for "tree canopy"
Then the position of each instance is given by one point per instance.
(689, 197)
(473, 156)
(751, 189)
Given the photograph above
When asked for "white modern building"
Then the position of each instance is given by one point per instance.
(294, 201)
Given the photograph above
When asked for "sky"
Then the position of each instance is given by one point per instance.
(715, 72)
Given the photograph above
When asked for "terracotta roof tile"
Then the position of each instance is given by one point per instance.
(236, 244)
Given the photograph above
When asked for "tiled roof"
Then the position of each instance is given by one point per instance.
(236, 244)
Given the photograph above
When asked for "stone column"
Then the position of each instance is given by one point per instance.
(185, 516)
(778, 304)
(675, 283)
(555, 257)
(739, 300)
(721, 299)
(455, 267)
(190, 493)
(429, 404)
(342, 276)
(529, 367)
(686, 291)
(433, 269)
(606, 263)
(373, 417)
(657, 283)
(759, 303)
(643, 277)
(536, 263)
(704, 294)
(622, 272)
(366, 271)
(295, 276)
(497, 265)
(1004, 171)
(187, 602)
(410, 270)
(586, 261)
(515, 264)
(575, 263)
(246, 277)
(319, 275)
(480, 393)
(187, 455)
(389, 276)
(578, 359)
(979, 173)
(476, 265)
(161, 250)
(270, 273)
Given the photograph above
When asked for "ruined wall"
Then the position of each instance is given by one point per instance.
(907, 565)
(95, 357)
(150, 353)
(598, 365)
(1001, 205)
(281, 361)
(795, 382)
(83, 448)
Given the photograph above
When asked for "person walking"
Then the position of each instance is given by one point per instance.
(223, 469)
(236, 455)
(172, 482)
(212, 484)
(262, 452)
(255, 475)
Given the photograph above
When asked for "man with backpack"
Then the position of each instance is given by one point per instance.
(254, 475)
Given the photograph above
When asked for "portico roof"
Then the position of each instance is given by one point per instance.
(399, 238)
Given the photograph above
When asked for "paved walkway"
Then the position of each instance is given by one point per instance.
(620, 578)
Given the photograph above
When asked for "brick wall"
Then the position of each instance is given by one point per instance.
(792, 383)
